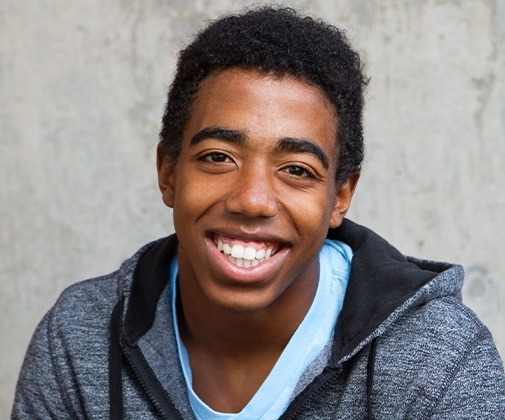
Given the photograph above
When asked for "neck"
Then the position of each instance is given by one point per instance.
(242, 335)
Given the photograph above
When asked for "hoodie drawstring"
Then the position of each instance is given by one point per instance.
(369, 377)
(115, 364)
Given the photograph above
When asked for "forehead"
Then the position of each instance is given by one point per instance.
(264, 105)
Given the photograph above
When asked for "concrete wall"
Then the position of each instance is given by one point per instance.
(82, 90)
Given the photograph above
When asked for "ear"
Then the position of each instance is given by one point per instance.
(343, 199)
(166, 173)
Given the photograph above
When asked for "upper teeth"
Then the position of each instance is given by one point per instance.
(246, 253)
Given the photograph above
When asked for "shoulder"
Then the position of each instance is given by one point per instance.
(439, 332)
(444, 321)
(440, 355)
(87, 300)
(65, 370)
(68, 353)
(78, 325)
(435, 317)
(89, 303)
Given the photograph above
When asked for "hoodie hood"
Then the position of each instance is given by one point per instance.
(382, 281)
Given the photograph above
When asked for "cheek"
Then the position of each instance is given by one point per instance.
(195, 196)
(311, 213)
(315, 203)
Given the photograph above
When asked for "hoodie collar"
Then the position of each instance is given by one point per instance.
(381, 279)
(149, 280)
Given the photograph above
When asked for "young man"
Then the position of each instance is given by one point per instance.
(267, 303)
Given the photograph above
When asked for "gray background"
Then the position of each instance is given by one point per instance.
(82, 91)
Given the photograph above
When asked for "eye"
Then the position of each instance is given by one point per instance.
(217, 157)
(299, 171)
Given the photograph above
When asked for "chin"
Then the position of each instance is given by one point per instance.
(246, 302)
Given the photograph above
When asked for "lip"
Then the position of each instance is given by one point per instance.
(246, 275)
(247, 235)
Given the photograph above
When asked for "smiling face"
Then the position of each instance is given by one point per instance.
(253, 191)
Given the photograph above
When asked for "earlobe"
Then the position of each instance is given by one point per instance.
(343, 199)
(166, 172)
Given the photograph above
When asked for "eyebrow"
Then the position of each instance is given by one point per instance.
(290, 144)
(233, 136)
(286, 144)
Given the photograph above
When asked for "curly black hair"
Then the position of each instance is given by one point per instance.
(277, 41)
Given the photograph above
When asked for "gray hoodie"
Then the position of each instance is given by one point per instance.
(404, 346)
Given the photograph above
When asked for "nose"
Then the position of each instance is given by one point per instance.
(252, 194)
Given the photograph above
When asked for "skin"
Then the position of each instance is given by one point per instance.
(252, 167)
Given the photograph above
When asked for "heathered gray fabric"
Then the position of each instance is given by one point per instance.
(313, 369)
(434, 359)
(160, 342)
(160, 350)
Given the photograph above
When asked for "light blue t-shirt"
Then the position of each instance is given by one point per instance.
(311, 336)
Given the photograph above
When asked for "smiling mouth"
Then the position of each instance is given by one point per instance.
(245, 253)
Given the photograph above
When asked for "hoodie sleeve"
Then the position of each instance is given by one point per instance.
(477, 387)
(38, 392)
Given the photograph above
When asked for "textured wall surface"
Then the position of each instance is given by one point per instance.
(82, 88)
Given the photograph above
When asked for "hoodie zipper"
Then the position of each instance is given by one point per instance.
(150, 383)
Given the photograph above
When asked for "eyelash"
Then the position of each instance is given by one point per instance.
(208, 157)
(307, 172)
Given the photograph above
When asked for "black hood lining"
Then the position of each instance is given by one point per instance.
(149, 280)
(381, 280)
